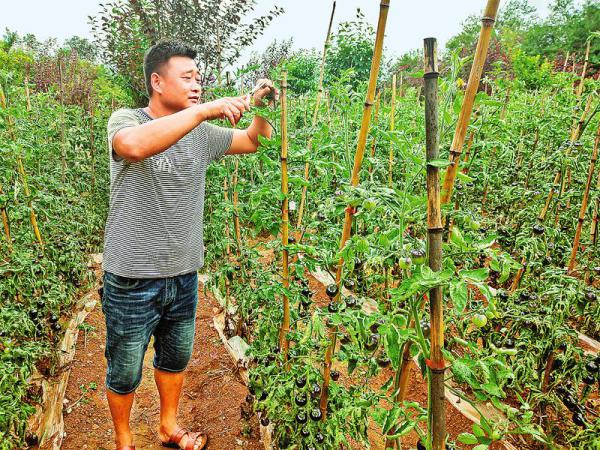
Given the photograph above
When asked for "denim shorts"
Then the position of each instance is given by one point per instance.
(137, 309)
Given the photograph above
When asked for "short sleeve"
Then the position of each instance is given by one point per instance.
(218, 140)
(122, 118)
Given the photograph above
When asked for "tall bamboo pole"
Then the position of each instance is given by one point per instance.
(5, 223)
(487, 23)
(315, 117)
(401, 386)
(596, 219)
(358, 158)
(584, 203)
(26, 82)
(566, 61)
(285, 326)
(437, 414)
(92, 140)
(584, 70)
(226, 195)
(392, 128)
(63, 151)
(236, 213)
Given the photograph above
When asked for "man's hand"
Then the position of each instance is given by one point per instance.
(230, 108)
(265, 89)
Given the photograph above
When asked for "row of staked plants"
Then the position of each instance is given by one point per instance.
(53, 201)
(513, 309)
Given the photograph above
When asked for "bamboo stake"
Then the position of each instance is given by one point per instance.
(401, 87)
(63, 156)
(584, 202)
(575, 135)
(21, 170)
(401, 386)
(594, 228)
(27, 90)
(285, 326)
(392, 128)
(358, 158)
(485, 34)
(226, 194)
(437, 414)
(92, 142)
(236, 213)
(566, 60)
(5, 223)
(583, 72)
(315, 117)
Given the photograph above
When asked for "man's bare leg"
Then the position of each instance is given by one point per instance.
(120, 410)
(169, 386)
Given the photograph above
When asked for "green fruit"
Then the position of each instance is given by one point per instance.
(404, 263)
(418, 256)
(479, 320)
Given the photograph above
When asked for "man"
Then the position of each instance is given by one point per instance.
(153, 239)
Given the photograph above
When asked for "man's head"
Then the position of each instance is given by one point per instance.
(171, 74)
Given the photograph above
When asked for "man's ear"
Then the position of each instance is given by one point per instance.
(156, 82)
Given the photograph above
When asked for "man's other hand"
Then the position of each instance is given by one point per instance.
(230, 108)
(265, 89)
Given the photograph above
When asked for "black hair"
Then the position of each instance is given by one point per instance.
(160, 53)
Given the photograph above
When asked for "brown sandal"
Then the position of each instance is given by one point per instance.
(192, 440)
(126, 447)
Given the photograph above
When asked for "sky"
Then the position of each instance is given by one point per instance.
(306, 21)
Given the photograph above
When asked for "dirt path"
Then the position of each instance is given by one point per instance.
(211, 398)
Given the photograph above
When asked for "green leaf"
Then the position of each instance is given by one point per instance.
(478, 275)
(478, 431)
(441, 163)
(481, 447)
(458, 294)
(467, 438)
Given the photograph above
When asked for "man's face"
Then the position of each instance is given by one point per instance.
(179, 83)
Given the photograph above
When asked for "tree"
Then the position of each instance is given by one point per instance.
(85, 49)
(351, 48)
(262, 64)
(126, 28)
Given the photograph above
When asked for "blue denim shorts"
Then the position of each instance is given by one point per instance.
(137, 309)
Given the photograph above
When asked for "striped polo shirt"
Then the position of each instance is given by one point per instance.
(155, 217)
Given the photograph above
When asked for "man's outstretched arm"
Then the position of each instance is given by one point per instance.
(142, 141)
